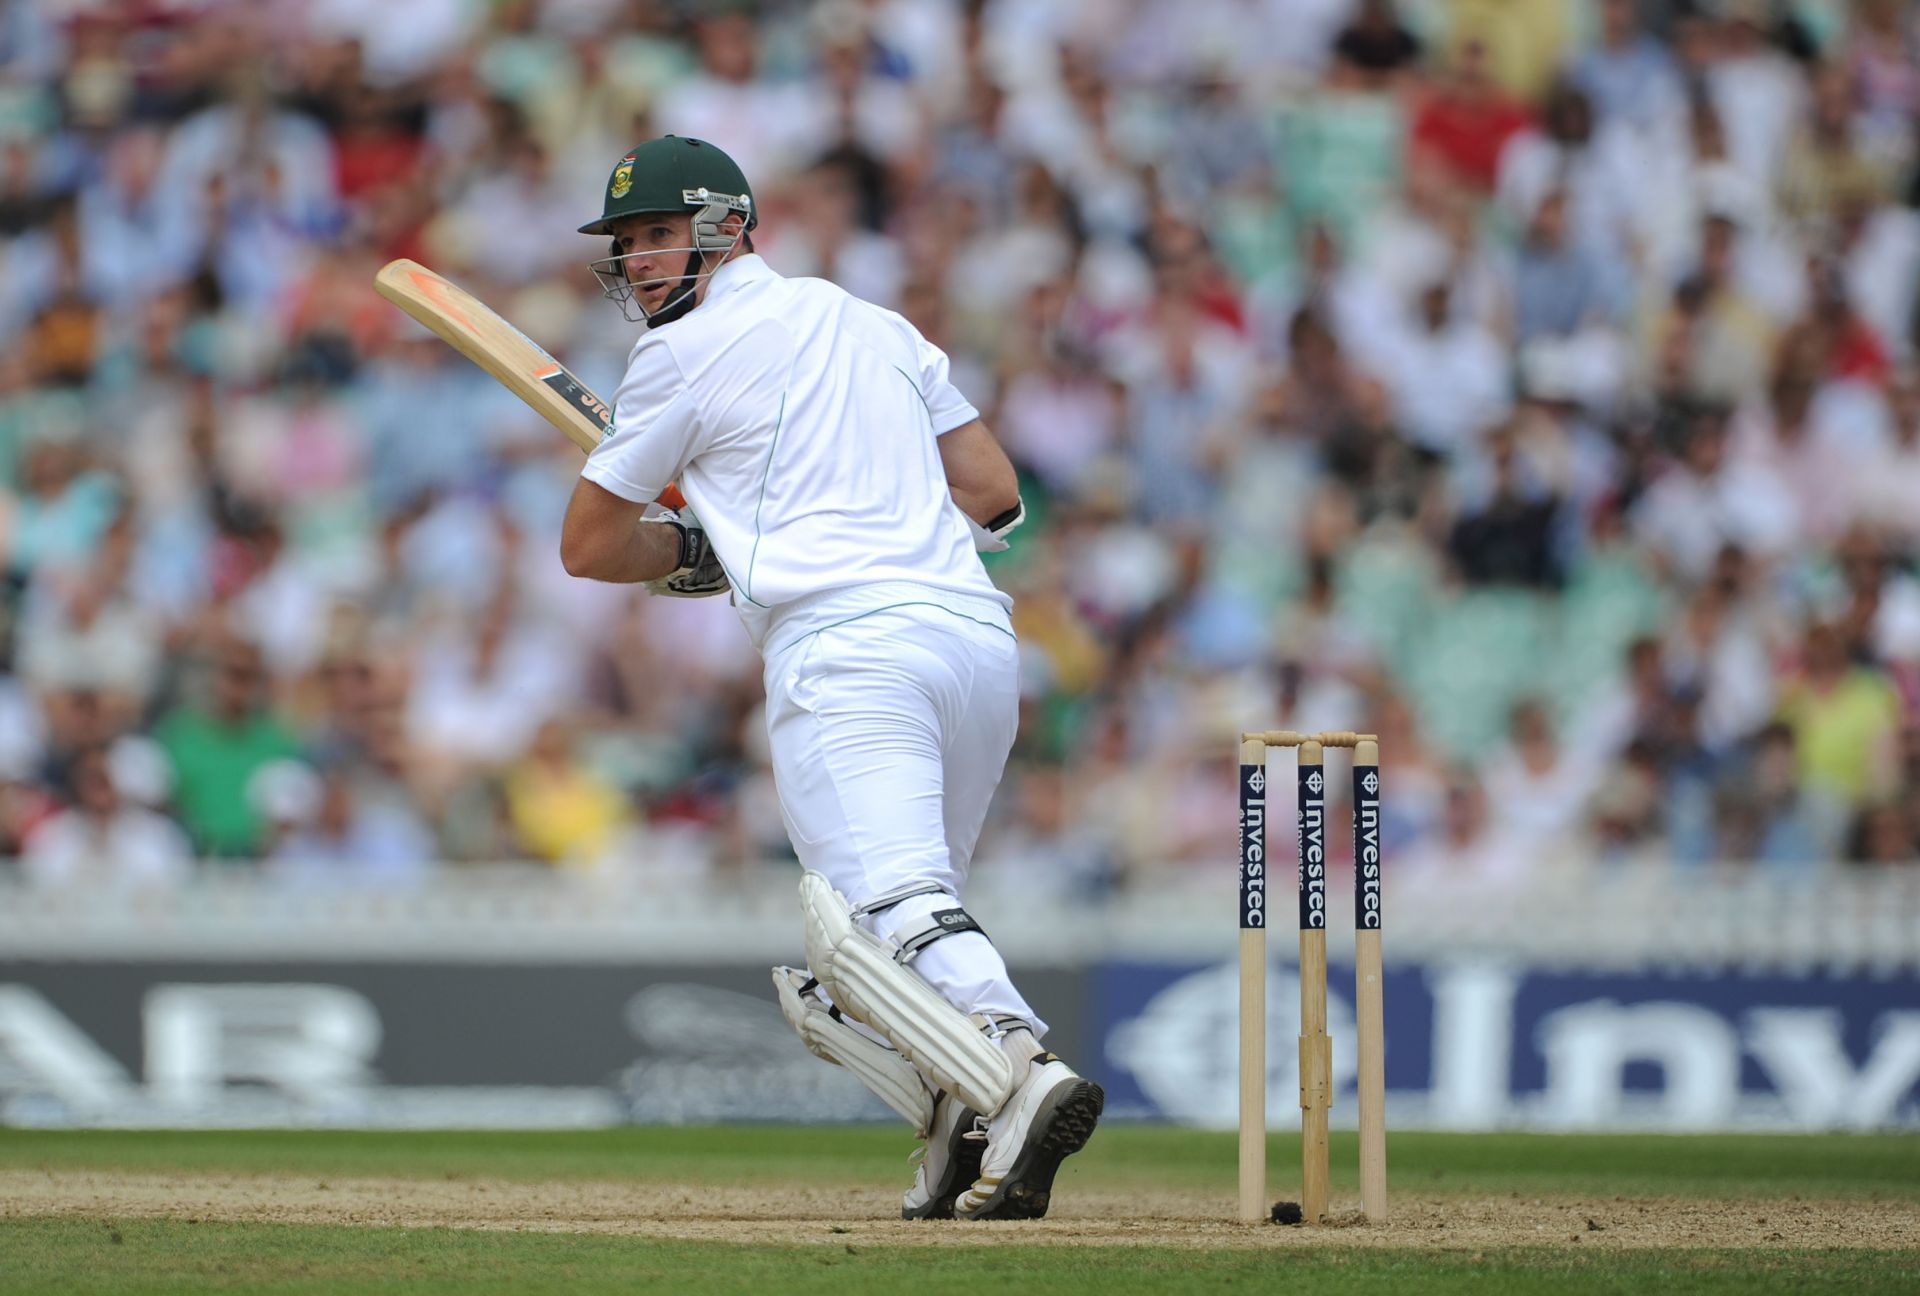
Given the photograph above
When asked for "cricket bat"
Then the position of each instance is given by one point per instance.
(476, 331)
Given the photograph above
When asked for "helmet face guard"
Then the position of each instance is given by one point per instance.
(710, 239)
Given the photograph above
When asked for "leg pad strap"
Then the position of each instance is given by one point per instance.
(939, 925)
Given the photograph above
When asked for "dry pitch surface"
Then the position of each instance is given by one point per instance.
(1086, 1215)
(813, 1212)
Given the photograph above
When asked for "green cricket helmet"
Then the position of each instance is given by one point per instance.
(670, 174)
(673, 173)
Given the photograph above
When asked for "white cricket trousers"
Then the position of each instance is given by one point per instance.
(889, 733)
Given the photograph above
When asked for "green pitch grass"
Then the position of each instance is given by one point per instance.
(94, 1254)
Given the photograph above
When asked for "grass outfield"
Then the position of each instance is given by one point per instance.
(174, 1257)
(135, 1244)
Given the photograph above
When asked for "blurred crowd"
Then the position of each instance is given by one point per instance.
(1533, 383)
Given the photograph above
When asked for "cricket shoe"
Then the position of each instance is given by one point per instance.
(1049, 1118)
(948, 1162)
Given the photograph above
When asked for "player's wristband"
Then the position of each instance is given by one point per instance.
(688, 551)
(992, 536)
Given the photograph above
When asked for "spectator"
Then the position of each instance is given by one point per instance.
(1760, 812)
(1595, 167)
(1825, 168)
(1537, 790)
(1627, 813)
(1810, 431)
(1702, 502)
(1884, 833)
(1757, 91)
(564, 811)
(1630, 75)
(1449, 378)
(1467, 120)
(1469, 848)
(1560, 287)
(1717, 649)
(1882, 55)
(66, 506)
(1376, 45)
(1845, 721)
(217, 742)
(1504, 532)
(1325, 396)
(1340, 149)
(1885, 486)
(1717, 339)
(103, 843)
(83, 632)
(324, 831)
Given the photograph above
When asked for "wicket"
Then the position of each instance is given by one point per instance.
(1316, 1049)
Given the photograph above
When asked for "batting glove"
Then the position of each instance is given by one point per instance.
(699, 573)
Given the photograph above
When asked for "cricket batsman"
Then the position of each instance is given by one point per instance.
(843, 489)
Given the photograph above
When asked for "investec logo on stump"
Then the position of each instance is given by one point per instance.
(1366, 891)
(1313, 854)
(1253, 846)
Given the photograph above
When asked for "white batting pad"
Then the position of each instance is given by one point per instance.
(881, 1069)
(858, 969)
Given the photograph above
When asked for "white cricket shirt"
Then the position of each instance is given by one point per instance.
(800, 423)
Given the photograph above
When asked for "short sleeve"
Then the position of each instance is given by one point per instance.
(945, 405)
(656, 430)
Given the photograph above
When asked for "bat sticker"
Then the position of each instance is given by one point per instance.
(575, 393)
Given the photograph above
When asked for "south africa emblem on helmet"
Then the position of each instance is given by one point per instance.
(622, 182)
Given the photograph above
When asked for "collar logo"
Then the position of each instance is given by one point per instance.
(622, 183)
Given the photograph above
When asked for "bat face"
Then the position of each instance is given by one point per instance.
(477, 332)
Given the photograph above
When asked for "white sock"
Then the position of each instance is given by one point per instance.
(1021, 1048)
